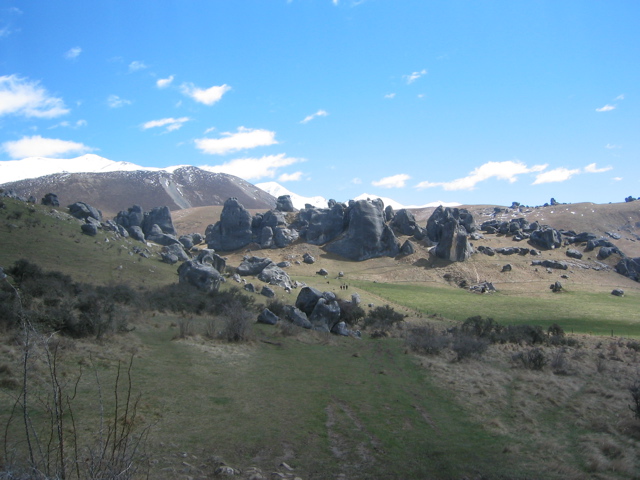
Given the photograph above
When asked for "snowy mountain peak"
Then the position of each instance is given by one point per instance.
(298, 201)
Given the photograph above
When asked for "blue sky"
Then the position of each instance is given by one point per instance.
(468, 101)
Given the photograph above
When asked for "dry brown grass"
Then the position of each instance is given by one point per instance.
(577, 418)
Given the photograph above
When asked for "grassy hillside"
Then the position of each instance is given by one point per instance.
(336, 407)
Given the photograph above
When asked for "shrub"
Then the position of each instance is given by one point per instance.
(555, 330)
(426, 340)
(559, 362)
(237, 323)
(480, 327)
(466, 346)
(533, 359)
(349, 313)
(276, 306)
(383, 318)
(528, 334)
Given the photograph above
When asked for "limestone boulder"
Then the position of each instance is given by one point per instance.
(233, 231)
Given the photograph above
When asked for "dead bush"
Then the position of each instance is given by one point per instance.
(237, 324)
(467, 346)
(426, 340)
(533, 359)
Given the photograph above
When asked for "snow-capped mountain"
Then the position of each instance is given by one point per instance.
(398, 206)
(298, 201)
(34, 167)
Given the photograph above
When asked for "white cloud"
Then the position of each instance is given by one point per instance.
(37, 146)
(395, 181)
(65, 124)
(319, 113)
(414, 76)
(606, 108)
(561, 174)
(507, 170)
(290, 177)
(207, 96)
(20, 96)
(73, 53)
(114, 101)
(611, 147)
(171, 124)
(243, 139)
(136, 65)
(591, 168)
(164, 82)
(255, 168)
(390, 95)
(617, 179)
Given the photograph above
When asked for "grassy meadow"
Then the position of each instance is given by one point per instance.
(316, 406)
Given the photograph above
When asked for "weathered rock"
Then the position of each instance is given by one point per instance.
(186, 241)
(297, 316)
(618, 292)
(355, 299)
(266, 237)
(388, 213)
(253, 265)
(307, 299)
(486, 250)
(267, 292)
(308, 258)
(445, 215)
(606, 252)
(615, 236)
(573, 253)
(283, 237)
(84, 211)
(547, 238)
(550, 264)
(136, 233)
(160, 216)
(407, 248)
(582, 237)
(284, 203)
(169, 258)
(556, 287)
(268, 317)
(89, 229)
(340, 328)
(321, 225)
(233, 231)
(284, 264)
(367, 235)
(598, 242)
(176, 250)
(51, 200)
(322, 272)
(450, 228)
(273, 219)
(274, 275)
(156, 235)
(201, 275)
(629, 267)
(404, 223)
(249, 287)
(212, 258)
(325, 314)
(507, 268)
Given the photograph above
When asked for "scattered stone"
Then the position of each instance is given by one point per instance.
(274, 275)
(322, 272)
(249, 287)
(284, 203)
(618, 292)
(573, 253)
(267, 292)
(556, 287)
(268, 317)
(253, 265)
(51, 200)
(507, 268)
(308, 258)
(407, 248)
(550, 264)
(201, 275)
(89, 229)
(84, 211)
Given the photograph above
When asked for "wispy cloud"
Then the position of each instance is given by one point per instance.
(556, 175)
(319, 113)
(164, 82)
(290, 177)
(394, 181)
(620, 97)
(19, 96)
(171, 124)
(414, 76)
(617, 179)
(74, 125)
(255, 168)
(207, 96)
(508, 170)
(606, 108)
(73, 53)
(114, 101)
(356, 181)
(609, 146)
(137, 65)
(37, 146)
(243, 139)
(592, 168)
(390, 95)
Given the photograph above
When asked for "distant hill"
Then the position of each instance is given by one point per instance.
(185, 187)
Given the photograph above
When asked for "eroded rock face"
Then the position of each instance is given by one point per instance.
(201, 275)
(321, 225)
(274, 275)
(442, 216)
(84, 211)
(629, 267)
(404, 223)
(284, 203)
(546, 238)
(233, 231)
(50, 199)
(450, 229)
(367, 235)
(160, 216)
